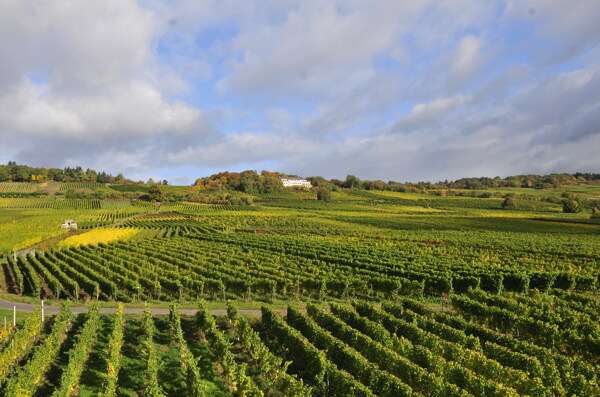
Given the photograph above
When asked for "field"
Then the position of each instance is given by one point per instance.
(372, 293)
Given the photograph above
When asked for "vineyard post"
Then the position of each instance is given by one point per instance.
(42, 310)
(14, 316)
(5, 322)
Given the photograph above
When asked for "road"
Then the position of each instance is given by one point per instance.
(26, 307)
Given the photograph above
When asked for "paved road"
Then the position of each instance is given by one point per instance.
(26, 307)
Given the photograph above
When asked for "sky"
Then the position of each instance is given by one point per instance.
(391, 90)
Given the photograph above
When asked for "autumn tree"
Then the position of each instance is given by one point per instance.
(571, 205)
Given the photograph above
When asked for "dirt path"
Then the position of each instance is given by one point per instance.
(50, 187)
(26, 307)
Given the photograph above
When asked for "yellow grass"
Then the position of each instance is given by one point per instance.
(98, 236)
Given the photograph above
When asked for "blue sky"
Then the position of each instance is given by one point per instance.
(405, 91)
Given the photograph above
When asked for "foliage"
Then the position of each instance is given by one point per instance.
(194, 385)
(152, 386)
(509, 203)
(28, 377)
(113, 361)
(490, 345)
(78, 355)
(246, 181)
(155, 193)
(572, 205)
(96, 236)
(323, 194)
(22, 173)
(21, 340)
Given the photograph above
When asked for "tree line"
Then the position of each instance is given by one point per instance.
(245, 181)
(481, 183)
(13, 172)
(269, 182)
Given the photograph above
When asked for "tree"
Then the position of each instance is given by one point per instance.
(155, 193)
(247, 186)
(22, 175)
(318, 181)
(323, 194)
(91, 175)
(352, 182)
(509, 203)
(571, 206)
(165, 182)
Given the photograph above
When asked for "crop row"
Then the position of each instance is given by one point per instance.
(243, 265)
(15, 187)
(47, 203)
(399, 349)
(64, 186)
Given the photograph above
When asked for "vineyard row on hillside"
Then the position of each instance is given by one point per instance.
(399, 349)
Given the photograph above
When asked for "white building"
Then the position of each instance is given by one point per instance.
(289, 182)
(69, 224)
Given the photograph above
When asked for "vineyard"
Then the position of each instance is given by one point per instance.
(247, 265)
(370, 294)
(78, 185)
(488, 346)
(15, 187)
(68, 204)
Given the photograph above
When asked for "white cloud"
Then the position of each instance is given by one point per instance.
(84, 78)
(76, 45)
(466, 60)
(551, 125)
(429, 114)
(318, 50)
(136, 109)
(237, 149)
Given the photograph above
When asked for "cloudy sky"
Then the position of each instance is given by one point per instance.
(396, 90)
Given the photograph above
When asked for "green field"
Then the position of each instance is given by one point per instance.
(426, 295)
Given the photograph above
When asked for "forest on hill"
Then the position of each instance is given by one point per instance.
(268, 181)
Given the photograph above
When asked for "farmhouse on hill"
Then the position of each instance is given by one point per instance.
(289, 182)
(69, 224)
